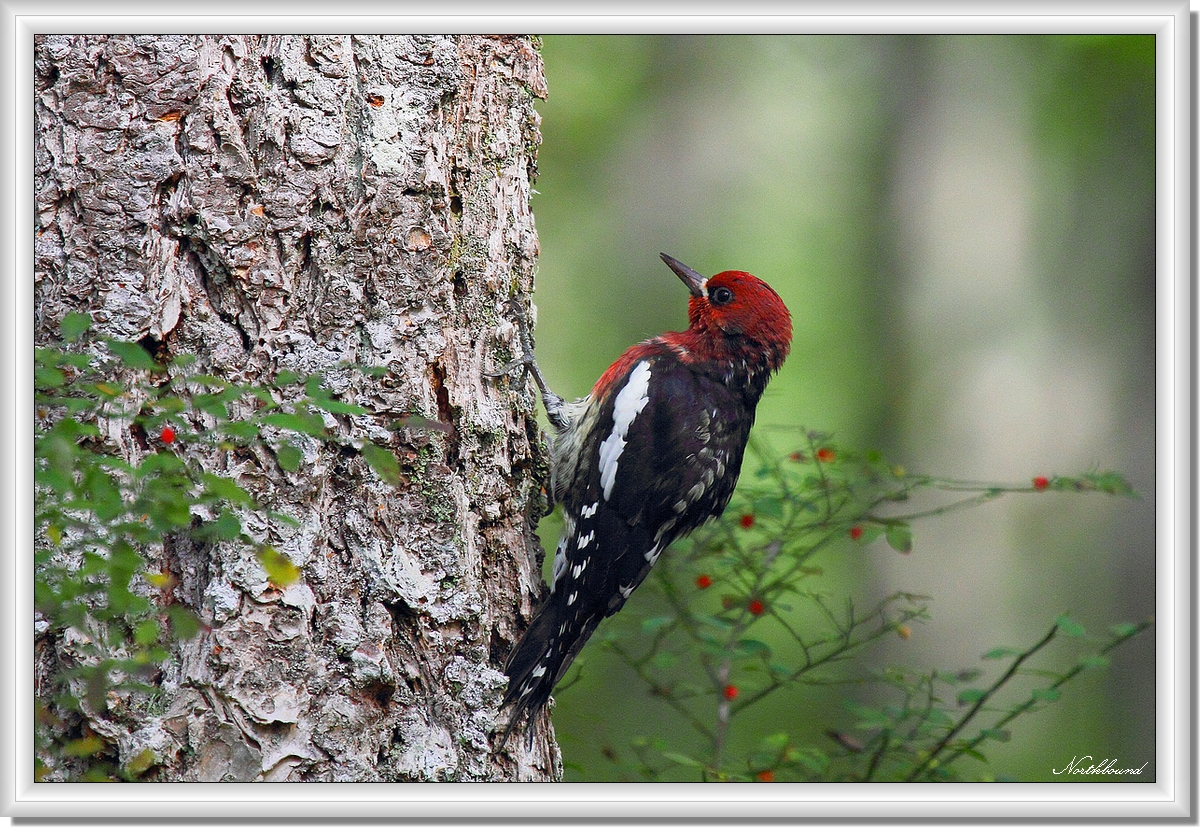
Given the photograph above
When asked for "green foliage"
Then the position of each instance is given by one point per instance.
(104, 525)
(747, 619)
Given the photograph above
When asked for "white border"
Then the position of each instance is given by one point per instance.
(1171, 796)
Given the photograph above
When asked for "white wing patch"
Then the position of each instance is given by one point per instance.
(630, 401)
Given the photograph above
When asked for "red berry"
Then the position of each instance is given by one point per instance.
(766, 776)
(747, 520)
(755, 607)
(825, 454)
(855, 532)
(703, 581)
(168, 435)
(1040, 483)
(731, 692)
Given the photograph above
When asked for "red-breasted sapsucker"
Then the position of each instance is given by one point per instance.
(651, 453)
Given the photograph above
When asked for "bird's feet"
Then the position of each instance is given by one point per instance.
(527, 363)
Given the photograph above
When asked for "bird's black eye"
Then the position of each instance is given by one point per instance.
(720, 295)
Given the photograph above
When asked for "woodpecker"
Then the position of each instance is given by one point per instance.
(653, 452)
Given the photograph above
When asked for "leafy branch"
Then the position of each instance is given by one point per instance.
(741, 617)
(123, 443)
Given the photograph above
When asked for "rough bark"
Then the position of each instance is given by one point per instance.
(287, 202)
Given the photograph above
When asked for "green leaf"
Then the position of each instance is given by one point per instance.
(1001, 735)
(211, 403)
(1110, 483)
(169, 404)
(310, 424)
(82, 361)
(280, 570)
(870, 533)
(289, 457)
(383, 462)
(124, 603)
(1123, 629)
(776, 742)
(240, 430)
(226, 489)
(767, 506)
(284, 519)
(322, 398)
(336, 406)
(103, 494)
(722, 623)
(146, 632)
(287, 377)
(680, 758)
(226, 527)
(74, 325)
(899, 537)
(83, 747)
(184, 624)
(161, 463)
(971, 696)
(869, 717)
(1093, 661)
(652, 624)
(1070, 627)
(1047, 695)
(973, 753)
(1000, 652)
(132, 355)
(123, 561)
(753, 648)
(48, 378)
(141, 762)
(810, 758)
(664, 660)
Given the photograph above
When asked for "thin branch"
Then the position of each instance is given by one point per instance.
(978, 705)
(1068, 675)
(885, 741)
(637, 666)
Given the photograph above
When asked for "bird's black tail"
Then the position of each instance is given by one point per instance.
(539, 661)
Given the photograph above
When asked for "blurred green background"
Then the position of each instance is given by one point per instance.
(964, 230)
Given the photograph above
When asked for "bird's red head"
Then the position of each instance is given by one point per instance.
(734, 312)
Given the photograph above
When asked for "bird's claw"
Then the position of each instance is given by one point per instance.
(526, 360)
(507, 370)
(555, 409)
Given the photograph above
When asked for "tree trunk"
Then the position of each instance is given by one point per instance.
(299, 203)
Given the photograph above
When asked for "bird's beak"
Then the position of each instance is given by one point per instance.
(694, 281)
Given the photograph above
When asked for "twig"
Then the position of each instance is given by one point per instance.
(978, 705)
(1068, 675)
